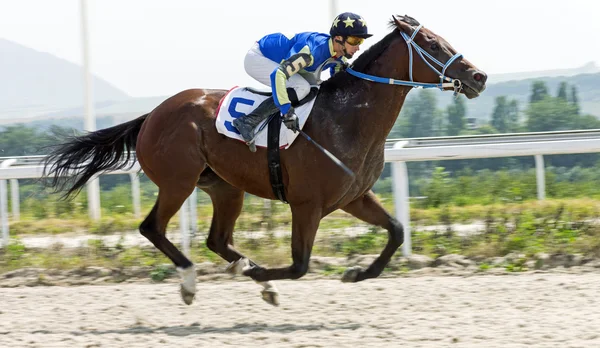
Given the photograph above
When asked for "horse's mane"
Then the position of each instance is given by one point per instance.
(372, 53)
(377, 49)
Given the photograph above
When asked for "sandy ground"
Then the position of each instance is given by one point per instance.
(525, 310)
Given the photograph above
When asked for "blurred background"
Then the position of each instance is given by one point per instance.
(541, 58)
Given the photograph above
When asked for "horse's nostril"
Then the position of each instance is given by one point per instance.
(479, 77)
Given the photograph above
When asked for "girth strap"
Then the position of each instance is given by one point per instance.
(273, 145)
(273, 158)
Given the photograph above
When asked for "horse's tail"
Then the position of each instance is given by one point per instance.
(72, 163)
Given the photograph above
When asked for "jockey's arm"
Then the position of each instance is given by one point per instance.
(340, 66)
(286, 69)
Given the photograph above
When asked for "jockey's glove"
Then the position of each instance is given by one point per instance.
(291, 120)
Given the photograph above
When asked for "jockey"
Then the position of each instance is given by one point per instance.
(291, 65)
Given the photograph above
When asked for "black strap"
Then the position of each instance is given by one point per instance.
(273, 158)
(260, 92)
(273, 145)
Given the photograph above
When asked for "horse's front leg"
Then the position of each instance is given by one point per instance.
(368, 209)
(305, 222)
(227, 204)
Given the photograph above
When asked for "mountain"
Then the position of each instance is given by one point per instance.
(34, 83)
(41, 89)
(588, 89)
(589, 68)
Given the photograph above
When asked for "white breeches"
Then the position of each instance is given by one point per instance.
(260, 68)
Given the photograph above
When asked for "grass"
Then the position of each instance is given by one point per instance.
(552, 226)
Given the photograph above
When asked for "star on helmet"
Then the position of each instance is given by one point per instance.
(349, 22)
(336, 21)
(362, 21)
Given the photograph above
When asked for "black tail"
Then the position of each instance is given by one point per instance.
(71, 164)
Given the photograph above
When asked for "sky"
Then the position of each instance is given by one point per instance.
(160, 47)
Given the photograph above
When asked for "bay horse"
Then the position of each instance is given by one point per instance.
(179, 148)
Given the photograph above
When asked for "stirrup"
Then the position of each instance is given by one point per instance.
(256, 131)
(250, 142)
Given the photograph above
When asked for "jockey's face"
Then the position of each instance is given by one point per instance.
(345, 48)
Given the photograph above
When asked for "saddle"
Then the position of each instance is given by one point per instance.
(240, 101)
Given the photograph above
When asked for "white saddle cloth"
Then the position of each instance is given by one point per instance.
(240, 101)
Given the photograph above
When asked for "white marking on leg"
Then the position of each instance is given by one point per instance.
(269, 293)
(268, 286)
(188, 278)
(238, 267)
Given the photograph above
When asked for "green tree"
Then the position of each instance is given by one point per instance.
(456, 116)
(551, 114)
(505, 115)
(20, 140)
(418, 118)
(574, 99)
(562, 91)
(485, 129)
(539, 91)
(585, 121)
(513, 115)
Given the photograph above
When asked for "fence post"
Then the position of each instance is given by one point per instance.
(401, 199)
(4, 203)
(135, 194)
(541, 177)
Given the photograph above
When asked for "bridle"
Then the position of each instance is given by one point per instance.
(455, 84)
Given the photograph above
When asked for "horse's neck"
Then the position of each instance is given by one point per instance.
(387, 101)
(384, 101)
(360, 114)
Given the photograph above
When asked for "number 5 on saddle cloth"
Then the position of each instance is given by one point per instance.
(240, 101)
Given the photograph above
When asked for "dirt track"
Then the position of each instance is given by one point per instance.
(527, 310)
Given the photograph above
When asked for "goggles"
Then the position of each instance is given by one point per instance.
(354, 40)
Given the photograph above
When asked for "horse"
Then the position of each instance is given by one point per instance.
(179, 149)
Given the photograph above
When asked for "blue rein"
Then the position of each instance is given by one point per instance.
(453, 83)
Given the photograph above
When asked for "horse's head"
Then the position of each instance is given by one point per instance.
(434, 59)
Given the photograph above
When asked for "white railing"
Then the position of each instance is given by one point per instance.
(30, 167)
(399, 152)
(486, 146)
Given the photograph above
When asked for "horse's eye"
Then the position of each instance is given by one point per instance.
(434, 46)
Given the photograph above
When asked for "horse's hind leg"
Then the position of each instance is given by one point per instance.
(368, 209)
(170, 199)
(227, 205)
(305, 223)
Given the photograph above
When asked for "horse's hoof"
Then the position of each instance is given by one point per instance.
(351, 273)
(271, 297)
(187, 287)
(186, 296)
(238, 267)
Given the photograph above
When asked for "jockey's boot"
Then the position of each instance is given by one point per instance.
(247, 123)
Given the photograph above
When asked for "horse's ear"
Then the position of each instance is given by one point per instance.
(403, 26)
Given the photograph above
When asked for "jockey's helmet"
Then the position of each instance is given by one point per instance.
(349, 24)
